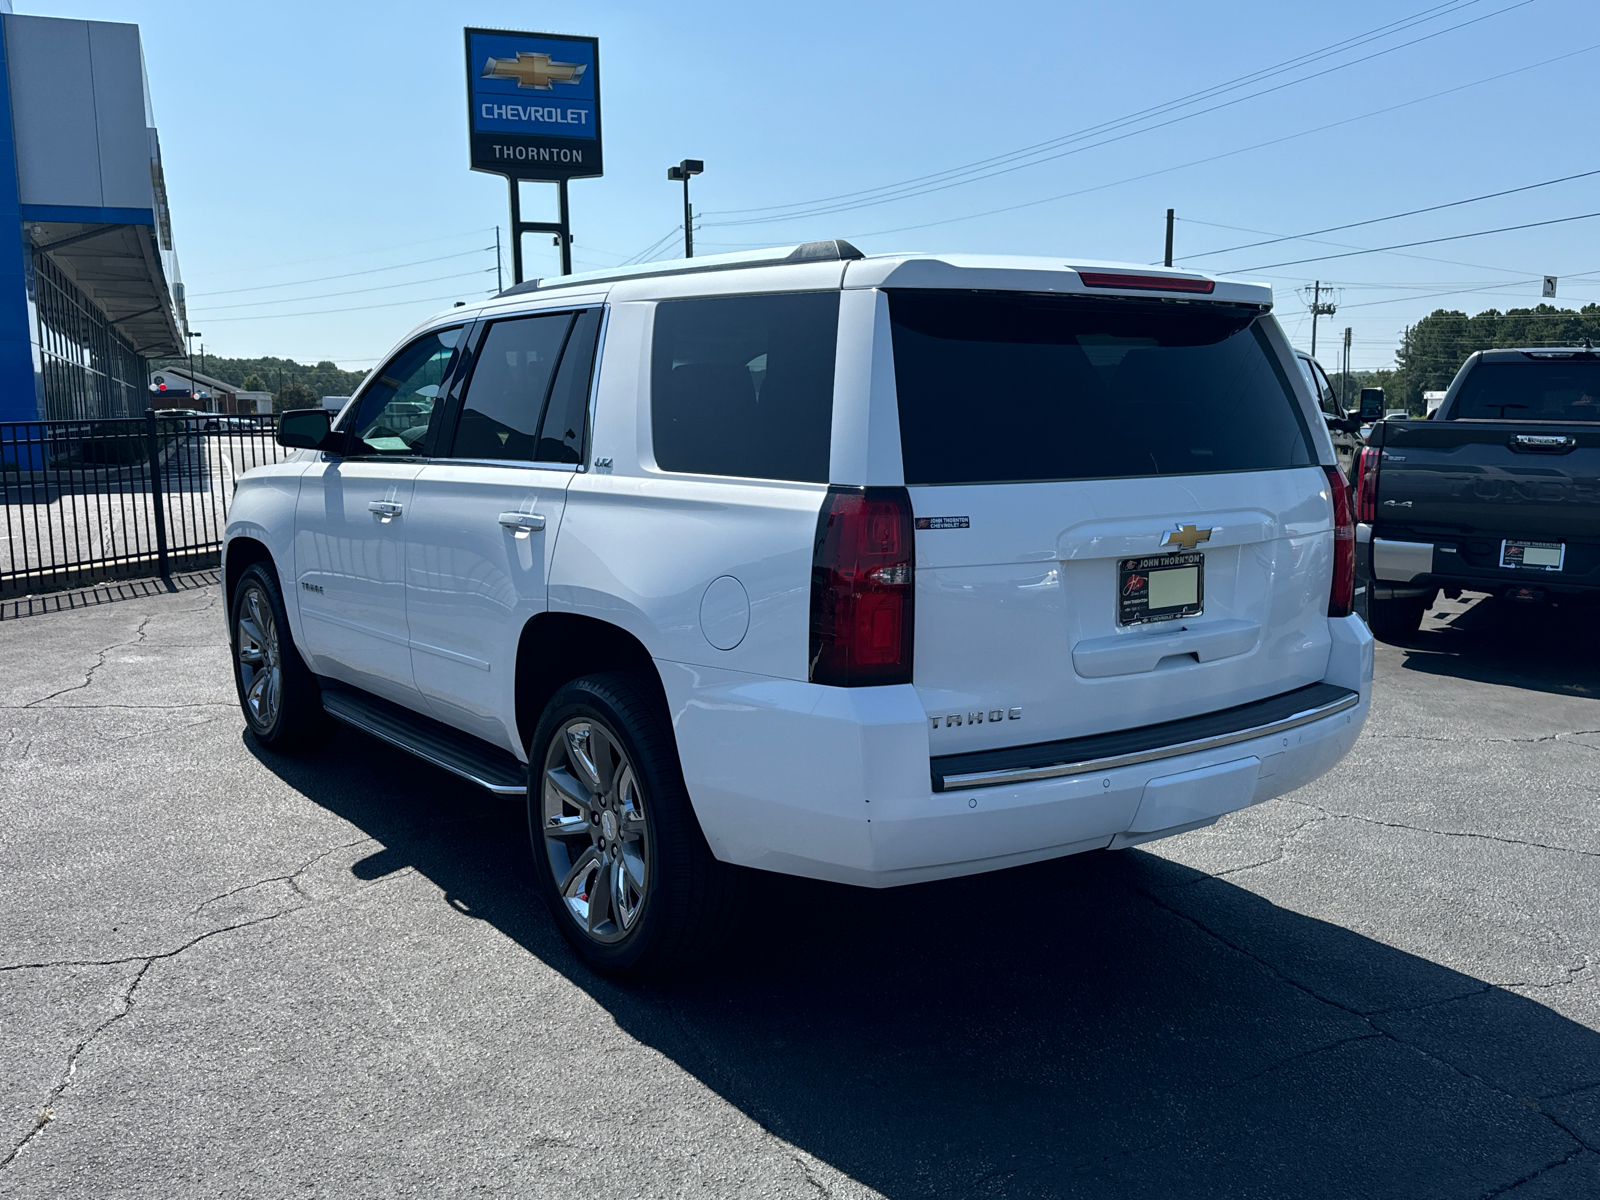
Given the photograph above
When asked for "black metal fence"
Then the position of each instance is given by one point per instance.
(82, 501)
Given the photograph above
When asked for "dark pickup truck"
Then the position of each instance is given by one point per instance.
(1499, 492)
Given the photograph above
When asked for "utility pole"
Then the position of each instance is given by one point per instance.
(686, 170)
(1319, 308)
(1344, 384)
(499, 284)
(1168, 261)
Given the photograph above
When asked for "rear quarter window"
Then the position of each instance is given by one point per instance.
(997, 388)
(743, 385)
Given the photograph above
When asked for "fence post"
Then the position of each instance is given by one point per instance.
(157, 499)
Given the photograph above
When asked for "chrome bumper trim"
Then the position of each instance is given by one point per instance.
(979, 779)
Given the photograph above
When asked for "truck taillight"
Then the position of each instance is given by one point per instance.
(1342, 592)
(862, 583)
(1367, 484)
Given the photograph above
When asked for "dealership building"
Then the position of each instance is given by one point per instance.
(89, 291)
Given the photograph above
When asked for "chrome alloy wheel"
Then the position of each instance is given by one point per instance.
(260, 662)
(595, 829)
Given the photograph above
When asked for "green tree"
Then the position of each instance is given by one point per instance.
(253, 383)
(1432, 350)
(294, 394)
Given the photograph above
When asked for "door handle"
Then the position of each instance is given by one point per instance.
(385, 508)
(522, 522)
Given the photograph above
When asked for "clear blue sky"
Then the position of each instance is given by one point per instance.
(307, 141)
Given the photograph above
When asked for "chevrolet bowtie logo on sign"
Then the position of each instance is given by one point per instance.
(1186, 537)
(534, 71)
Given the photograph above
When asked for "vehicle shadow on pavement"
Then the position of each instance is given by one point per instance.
(1112, 1024)
(1498, 641)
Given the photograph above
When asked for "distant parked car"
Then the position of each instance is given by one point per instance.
(1341, 425)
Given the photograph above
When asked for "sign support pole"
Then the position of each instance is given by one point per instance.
(562, 228)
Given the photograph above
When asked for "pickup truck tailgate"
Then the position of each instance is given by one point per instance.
(1492, 478)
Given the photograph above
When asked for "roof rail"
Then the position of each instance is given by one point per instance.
(832, 250)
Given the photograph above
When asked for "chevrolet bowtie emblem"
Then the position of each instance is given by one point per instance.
(1186, 536)
(534, 71)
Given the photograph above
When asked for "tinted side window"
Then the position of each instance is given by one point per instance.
(392, 417)
(743, 385)
(561, 434)
(1330, 398)
(510, 381)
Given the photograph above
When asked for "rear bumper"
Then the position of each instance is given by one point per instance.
(1398, 568)
(834, 783)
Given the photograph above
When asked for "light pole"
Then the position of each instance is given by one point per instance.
(191, 336)
(688, 168)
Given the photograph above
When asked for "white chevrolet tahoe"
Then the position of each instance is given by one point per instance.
(874, 569)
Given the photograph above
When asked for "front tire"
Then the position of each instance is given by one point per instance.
(618, 854)
(278, 694)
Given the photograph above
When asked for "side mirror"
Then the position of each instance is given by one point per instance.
(304, 428)
(1372, 404)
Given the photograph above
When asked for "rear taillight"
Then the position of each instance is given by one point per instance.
(1367, 484)
(1342, 593)
(861, 588)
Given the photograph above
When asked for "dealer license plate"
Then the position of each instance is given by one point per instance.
(1161, 587)
(1537, 556)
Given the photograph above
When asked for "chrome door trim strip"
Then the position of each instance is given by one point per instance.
(977, 779)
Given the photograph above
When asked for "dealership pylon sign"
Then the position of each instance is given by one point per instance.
(534, 104)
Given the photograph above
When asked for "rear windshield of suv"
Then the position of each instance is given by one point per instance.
(1539, 389)
(1007, 388)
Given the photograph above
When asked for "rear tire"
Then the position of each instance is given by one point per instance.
(618, 854)
(1392, 620)
(278, 694)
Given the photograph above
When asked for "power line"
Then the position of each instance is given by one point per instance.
(1211, 158)
(1104, 126)
(1455, 237)
(342, 275)
(1454, 262)
(374, 250)
(382, 287)
(905, 192)
(1296, 237)
(324, 311)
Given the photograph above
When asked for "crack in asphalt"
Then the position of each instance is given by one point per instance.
(138, 636)
(1286, 841)
(46, 1112)
(1488, 741)
(33, 705)
(292, 878)
(1283, 1062)
(1366, 1019)
(1534, 1174)
(1448, 833)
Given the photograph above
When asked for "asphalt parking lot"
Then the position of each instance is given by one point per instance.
(225, 972)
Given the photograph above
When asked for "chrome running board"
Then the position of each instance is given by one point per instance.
(473, 759)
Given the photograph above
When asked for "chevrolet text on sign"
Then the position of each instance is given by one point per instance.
(533, 104)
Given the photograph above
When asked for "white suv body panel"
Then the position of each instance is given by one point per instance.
(712, 575)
